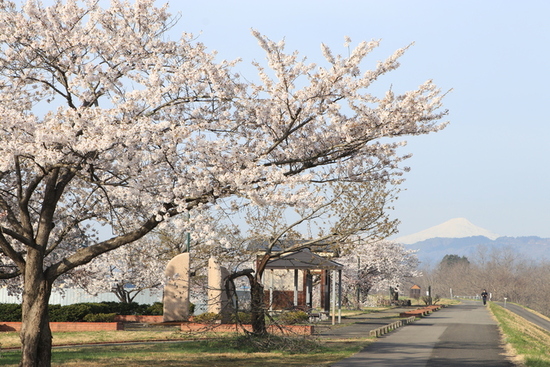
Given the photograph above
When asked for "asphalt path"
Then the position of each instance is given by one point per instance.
(527, 315)
(462, 335)
(359, 326)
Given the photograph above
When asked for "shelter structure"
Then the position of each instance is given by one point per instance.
(297, 293)
(415, 291)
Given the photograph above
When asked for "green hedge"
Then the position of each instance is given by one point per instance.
(207, 317)
(157, 308)
(10, 312)
(100, 317)
(77, 312)
(242, 317)
(293, 317)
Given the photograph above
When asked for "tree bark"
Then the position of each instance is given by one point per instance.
(257, 307)
(36, 336)
(358, 297)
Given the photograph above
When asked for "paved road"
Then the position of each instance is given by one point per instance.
(462, 335)
(359, 326)
(527, 315)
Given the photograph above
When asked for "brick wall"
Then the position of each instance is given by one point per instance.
(139, 318)
(68, 326)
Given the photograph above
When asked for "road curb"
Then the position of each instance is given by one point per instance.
(394, 325)
(378, 332)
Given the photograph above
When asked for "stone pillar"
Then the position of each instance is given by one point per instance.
(218, 301)
(176, 290)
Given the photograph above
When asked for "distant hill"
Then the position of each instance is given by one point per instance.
(460, 237)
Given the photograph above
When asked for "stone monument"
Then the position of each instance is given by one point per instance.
(218, 302)
(176, 290)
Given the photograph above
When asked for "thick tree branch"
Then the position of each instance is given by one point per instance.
(87, 254)
(9, 251)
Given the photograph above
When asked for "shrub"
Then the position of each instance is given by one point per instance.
(71, 313)
(293, 317)
(78, 311)
(242, 317)
(120, 308)
(431, 301)
(100, 317)
(156, 308)
(427, 300)
(207, 317)
(10, 312)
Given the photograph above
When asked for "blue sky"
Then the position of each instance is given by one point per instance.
(489, 165)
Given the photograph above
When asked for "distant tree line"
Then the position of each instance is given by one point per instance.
(503, 272)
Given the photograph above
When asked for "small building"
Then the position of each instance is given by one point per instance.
(415, 291)
(295, 280)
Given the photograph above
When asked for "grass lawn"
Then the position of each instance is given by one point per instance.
(221, 352)
(182, 349)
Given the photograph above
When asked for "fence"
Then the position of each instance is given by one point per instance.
(71, 296)
(468, 297)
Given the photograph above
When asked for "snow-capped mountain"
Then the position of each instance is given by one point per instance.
(454, 228)
(460, 237)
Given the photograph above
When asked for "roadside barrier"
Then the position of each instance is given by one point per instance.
(394, 325)
(410, 316)
(421, 311)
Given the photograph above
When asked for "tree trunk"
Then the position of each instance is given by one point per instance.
(122, 295)
(36, 336)
(257, 307)
(358, 297)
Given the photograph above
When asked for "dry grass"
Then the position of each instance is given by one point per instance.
(11, 340)
(213, 353)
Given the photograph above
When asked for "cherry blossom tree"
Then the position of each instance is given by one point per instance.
(139, 266)
(126, 271)
(107, 120)
(376, 265)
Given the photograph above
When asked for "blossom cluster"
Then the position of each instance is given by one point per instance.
(106, 120)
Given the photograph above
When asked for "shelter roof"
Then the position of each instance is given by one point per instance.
(282, 245)
(303, 259)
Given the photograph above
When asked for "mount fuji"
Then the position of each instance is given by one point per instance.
(460, 237)
(454, 228)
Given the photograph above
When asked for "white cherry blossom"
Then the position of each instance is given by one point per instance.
(105, 119)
